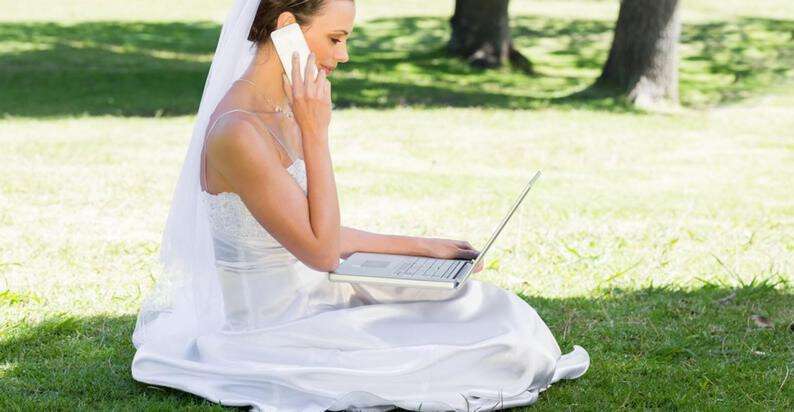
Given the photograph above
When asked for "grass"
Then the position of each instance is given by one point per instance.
(159, 68)
(651, 239)
(638, 339)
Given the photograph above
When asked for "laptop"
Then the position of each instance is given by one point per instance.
(417, 271)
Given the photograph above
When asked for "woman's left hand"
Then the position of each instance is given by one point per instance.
(451, 249)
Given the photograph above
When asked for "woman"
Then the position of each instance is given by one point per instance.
(245, 314)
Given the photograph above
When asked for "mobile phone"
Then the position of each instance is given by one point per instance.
(287, 40)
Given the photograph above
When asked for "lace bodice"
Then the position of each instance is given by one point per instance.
(256, 273)
(230, 218)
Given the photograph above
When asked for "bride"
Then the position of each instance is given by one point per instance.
(243, 313)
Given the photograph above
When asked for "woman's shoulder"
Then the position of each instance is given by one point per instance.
(235, 140)
(232, 121)
(225, 121)
(240, 122)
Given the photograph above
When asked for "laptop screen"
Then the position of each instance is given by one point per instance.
(506, 219)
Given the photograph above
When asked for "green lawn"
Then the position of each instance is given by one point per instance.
(651, 239)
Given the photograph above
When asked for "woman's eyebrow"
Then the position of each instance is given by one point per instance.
(342, 31)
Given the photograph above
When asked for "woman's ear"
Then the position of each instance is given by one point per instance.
(284, 19)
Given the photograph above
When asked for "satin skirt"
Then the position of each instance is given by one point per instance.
(295, 341)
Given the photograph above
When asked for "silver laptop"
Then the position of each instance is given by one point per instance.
(404, 270)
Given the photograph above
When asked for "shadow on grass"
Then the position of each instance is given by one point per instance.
(70, 363)
(653, 348)
(159, 69)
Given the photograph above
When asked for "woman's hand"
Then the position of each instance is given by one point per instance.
(310, 98)
(451, 249)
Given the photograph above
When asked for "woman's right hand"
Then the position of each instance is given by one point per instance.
(451, 249)
(310, 97)
(448, 248)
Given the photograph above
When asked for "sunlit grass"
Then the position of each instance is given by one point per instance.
(215, 10)
(650, 239)
(693, 201)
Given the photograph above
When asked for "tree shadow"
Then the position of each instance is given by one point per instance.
(725, 62)
(159, 69)
(650, 348)
(77, 363)
(123, 69)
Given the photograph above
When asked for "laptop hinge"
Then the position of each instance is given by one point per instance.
(461, 270)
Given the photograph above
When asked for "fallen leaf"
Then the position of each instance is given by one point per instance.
(762, 321)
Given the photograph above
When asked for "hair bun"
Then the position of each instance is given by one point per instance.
(268, 11)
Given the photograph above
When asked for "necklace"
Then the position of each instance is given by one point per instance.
(287, 112)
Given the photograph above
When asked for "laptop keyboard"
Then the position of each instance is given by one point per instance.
(429, 267)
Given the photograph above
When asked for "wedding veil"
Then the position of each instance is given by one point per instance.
(186, 300)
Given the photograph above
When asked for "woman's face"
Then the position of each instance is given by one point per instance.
(328, 31)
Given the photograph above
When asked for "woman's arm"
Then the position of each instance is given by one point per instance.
(355, 240)
(307, 225)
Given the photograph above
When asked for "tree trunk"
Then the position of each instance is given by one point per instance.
(643, 60)
(481, 35)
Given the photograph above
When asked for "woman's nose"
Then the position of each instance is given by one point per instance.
(342, 55)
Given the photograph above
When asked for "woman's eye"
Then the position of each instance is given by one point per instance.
(336, 41)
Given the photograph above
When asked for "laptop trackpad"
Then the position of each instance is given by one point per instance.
(364, 263)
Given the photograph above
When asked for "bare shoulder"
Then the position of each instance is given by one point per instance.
(236, 146)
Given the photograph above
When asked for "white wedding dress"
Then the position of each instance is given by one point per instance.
(294, 341)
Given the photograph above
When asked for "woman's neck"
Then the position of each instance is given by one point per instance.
(266, 71)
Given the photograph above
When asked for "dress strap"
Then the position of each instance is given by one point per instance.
(290, 153)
